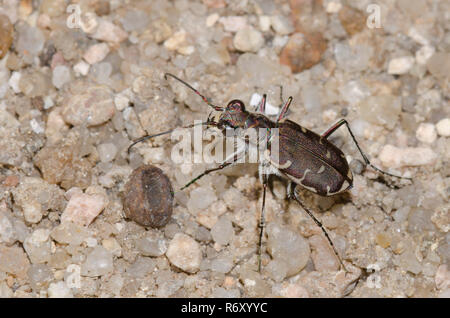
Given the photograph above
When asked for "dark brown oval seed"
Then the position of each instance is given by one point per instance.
(148, 197)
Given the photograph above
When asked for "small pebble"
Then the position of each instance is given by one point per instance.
(30, 41)
(288, 246)
(264, 23)
(111, 245)
(353, 20)
(414, 34)
(91, 107)
(135, 20)
(439, 65)
(40, 275)
(151, 246)
(61, 76)
(59, 290)
(6, 35)
(81, 68)
(443, 127)
(69, 233)
(424, 54)
(14, 82)
(32, 212)
(109, 32)
(83, 208)
(212, 19)
(96, 53)
(277, 269)
(107, 152)
(121, 101)
(141, 267)
(185, 253)
(442, 278)
(293, 291)
(233, 23)
(7, 231)
(426, 132)
(222, 264)
(177, 40)
(38, 246)
(282, 25)
(98, 262)
(333, 7)
(222, 232)
(248, 40)
(13, 260)
(200, 199)
(400, 65)
(381, 109)
(323, 255)
(394, 157)
(303, 51)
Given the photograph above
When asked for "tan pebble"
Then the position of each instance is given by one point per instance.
(83, 208)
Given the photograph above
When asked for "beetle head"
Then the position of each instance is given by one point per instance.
(233, 116)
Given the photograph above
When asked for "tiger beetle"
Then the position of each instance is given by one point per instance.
(304, 158)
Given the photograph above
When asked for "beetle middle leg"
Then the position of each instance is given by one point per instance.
(293, 195)
(262, 220)
(341, 122)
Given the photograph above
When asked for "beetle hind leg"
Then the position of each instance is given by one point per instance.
(341, 122)
(293, 195)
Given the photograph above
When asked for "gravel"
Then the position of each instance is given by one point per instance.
(74, 97)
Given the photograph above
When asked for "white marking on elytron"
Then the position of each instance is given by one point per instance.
(349, 174)
(344, 186)
(320, 141)
(328, 154)
(304, 130)
(342, 155)
(322, 169)
(299, 181)
(285, 165)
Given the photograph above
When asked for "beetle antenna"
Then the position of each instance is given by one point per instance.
(206, 100)
(206, 123)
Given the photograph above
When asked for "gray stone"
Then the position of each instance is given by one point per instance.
(288, 246)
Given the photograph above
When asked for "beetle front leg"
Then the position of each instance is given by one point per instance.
(341, 122)
(262, 104)
(284, 109)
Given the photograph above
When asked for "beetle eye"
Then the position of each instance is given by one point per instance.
(236, 106)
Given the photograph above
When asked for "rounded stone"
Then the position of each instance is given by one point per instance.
(92, 107)
(185, 253)
(222, 232)
(248, 40)
(6, 35)
(288, 246)
(148, 198)
(443, 127)
(426, 133)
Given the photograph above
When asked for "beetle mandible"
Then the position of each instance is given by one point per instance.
(304, 158)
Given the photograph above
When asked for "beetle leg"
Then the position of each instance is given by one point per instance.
(262, 104)
(262, 221)
(224, 164)
(341, 122)
(205, 99)
(284, 109)
(293, 195)
(281, 94)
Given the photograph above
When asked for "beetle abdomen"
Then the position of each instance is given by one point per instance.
(311, 161)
